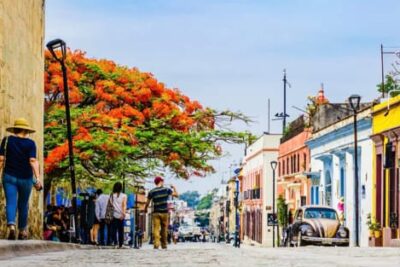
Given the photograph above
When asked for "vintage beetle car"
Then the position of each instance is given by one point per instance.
(316, 225)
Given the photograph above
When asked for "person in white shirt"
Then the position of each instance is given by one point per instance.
(119, 201)
(101, 207)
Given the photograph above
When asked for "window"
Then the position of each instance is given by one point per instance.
(287, 166)
(314, 195)
(283, 167)
(328, 188)
(279, 169)
(304, 161)
(299, 215)
(258, 180)
(342, 182)
(320, 213)
(294, 163)
(298, 162)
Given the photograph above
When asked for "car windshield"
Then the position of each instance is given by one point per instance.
(320, 213)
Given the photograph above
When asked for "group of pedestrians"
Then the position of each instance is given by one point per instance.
(102, 215)
(95, 228)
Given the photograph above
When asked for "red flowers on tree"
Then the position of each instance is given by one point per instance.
(126, 121)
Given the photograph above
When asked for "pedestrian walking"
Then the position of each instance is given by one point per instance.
(160, 219)
(119, 201)
(104, 228)
(20, 170)
(94, 232)
(341, 210)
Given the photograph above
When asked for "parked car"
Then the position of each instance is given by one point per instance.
(189, 233)
(316, 225)
(185, 233)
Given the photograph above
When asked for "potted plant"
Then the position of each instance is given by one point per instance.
(377, 230)
(370, 225)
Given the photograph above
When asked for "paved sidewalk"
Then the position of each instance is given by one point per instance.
(210, 255)
(10, 249)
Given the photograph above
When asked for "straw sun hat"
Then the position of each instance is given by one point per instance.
(20, 123)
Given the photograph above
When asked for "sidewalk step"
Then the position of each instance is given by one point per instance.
(10, 249)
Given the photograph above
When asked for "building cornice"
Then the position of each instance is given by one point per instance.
(341, 132)
(260, 152)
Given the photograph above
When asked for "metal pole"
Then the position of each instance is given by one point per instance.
(136, 242)
(237, 242)
(284, 100)
(269, 115)
(382, 73)
(227, 221)
(273, 206)
(70, 150)
(356, 185)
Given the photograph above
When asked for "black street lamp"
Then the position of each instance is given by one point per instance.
(237, 219)
(138, 233)
(227, 207)
(274, 164)
(53, 46)
(354, 101)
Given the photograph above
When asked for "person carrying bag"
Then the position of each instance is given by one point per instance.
(19, 166)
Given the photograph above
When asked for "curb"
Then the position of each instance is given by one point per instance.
(11, 249)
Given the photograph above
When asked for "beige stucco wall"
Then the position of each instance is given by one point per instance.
(21, 83)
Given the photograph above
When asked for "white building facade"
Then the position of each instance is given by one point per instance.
(332, 170)
(257, 190)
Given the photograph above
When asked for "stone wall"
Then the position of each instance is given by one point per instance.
(21, 84)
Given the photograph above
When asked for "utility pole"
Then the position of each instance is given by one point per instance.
(284, 100)
(269, 116)
(382, 73)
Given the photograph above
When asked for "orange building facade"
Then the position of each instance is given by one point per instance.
(294, 160)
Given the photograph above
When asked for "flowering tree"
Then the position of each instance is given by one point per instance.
(126, 122)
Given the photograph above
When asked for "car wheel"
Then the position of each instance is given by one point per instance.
(299, 241)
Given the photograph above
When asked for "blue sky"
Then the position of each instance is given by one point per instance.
(230, 54)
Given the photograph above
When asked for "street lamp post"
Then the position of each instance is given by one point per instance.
(354, 101)
(228, 207)
(54, 45)
(273, 166)
(237, 223)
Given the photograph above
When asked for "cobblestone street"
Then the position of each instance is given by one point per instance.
(214, 255)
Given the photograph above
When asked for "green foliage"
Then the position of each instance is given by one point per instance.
(206, 201)
(391, 86)
(203, 218)
(191, 197)
(282, 211)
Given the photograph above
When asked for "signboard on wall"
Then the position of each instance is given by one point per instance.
(272, 219)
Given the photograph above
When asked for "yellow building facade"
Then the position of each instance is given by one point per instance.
(386, 161)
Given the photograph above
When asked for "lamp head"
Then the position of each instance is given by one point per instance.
(354, 101)
(274, 164)
(55, 45)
